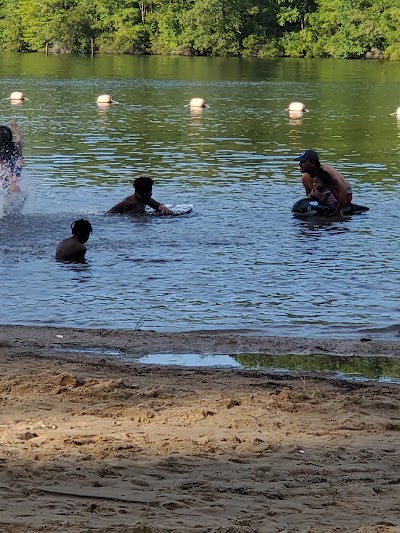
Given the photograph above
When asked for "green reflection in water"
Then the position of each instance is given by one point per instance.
(349, 121)
(377, 368)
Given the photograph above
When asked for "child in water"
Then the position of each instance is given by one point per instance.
(11, 159)
(72, 249)
(320, 191)
(135, 204)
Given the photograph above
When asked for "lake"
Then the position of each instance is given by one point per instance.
(240, 261)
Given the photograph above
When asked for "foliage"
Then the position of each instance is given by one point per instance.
(253, 28)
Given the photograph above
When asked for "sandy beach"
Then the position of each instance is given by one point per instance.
(92, 443)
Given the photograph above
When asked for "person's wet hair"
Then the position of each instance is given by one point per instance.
(324, 177)
(5, 135)
(143, 184)
(81, 228)
(6, 141)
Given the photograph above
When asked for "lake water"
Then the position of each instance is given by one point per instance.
(239, 261)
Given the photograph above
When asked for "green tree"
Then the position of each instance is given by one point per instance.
(10, 26)
(346, 28)
(220, 26)
(293, 14)
(168, 26)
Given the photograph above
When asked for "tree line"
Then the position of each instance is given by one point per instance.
(240, 28)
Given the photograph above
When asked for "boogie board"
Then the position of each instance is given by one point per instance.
(178, 209)
(311, 208)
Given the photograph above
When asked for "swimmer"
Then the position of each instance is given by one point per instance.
(337, 184)
(72, 249)
(11, 159)
(135, 204)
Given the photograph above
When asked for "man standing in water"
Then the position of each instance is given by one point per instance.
(340, 188)
(72, 249)
(135, 204)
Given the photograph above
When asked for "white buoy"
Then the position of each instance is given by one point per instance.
(105, 99)
(17, 96)
(297, 107)
(197, 102)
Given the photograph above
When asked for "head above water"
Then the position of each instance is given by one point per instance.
(308, 155)
(81, 229)
(143, 185)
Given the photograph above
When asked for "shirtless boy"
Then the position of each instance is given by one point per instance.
(135, 204)
(72, 249)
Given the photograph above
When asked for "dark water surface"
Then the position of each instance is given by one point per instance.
(239, 260)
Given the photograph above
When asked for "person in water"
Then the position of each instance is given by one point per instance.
(72, 249)
(135, 204)
(337, 184)
(320, 191)
(11, 159)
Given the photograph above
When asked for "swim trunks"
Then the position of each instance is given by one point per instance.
(349, 197)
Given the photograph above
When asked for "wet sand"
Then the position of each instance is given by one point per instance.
(98, 444)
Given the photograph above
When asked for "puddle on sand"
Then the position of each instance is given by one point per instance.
(382, 369)
(189, 360)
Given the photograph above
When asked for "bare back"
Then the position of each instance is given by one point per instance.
(133, 205)
(336, 176)
(70, 249)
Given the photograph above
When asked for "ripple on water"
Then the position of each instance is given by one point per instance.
(239, 261)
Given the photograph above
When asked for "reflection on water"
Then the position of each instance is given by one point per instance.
(187, 360)
(239, 260)
(375, 368)
(383, 369)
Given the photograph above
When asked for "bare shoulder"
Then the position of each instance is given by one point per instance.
(70, 249)
(329, 169)
(306, 177)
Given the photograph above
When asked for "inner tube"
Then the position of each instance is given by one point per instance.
(311, 208)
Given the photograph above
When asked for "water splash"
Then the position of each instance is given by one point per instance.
(12, 203)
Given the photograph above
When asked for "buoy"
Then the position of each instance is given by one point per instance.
(297, 107)
(17, 96)
(105, 99)
(197, 102)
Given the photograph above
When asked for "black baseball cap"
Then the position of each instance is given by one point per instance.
(308, 155)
